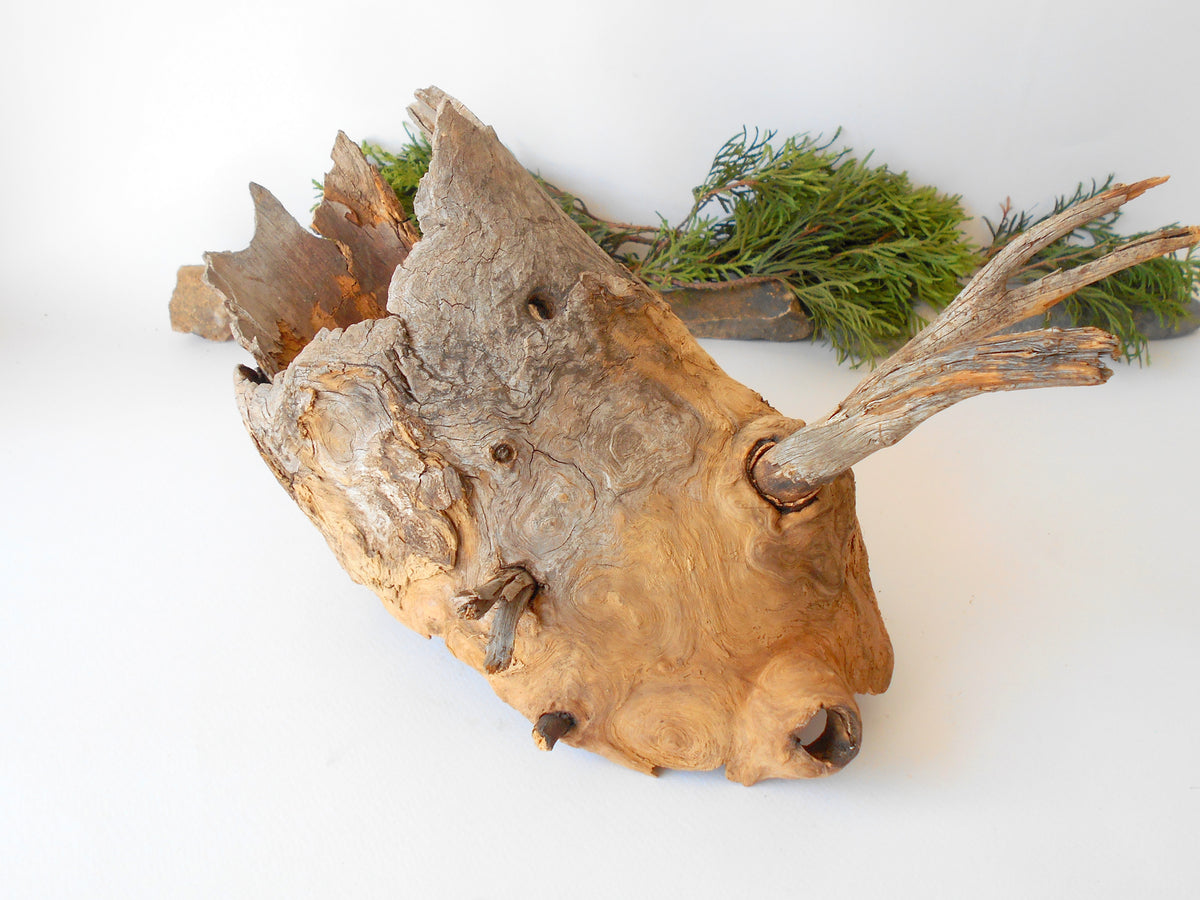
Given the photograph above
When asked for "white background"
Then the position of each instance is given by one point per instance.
(196, 702)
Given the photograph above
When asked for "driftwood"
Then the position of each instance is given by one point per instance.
(746, 309)
(527, 454)
(198, 309)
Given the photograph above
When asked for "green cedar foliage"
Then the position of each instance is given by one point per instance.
(402, 171)
(859, 245)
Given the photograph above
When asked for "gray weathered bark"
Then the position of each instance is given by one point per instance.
(748, 309)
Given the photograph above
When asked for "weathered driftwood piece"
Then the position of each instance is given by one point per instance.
(198, 309)
(531, 457)
(748, 309)
(289, 284)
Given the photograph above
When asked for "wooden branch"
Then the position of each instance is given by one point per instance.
(475, 604)
(1038, 296)
(510, 593)
(985, 305)
(865, 423)
(510, 606)
(957, 357)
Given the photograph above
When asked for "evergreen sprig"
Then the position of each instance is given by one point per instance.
(1157, 290)
(858, 244)
(403, 170)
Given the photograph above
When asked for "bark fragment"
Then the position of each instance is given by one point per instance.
(198, 309)
(748, 309)
(290, 283)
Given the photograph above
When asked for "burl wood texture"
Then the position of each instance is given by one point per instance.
(527, 454)
(528, 406)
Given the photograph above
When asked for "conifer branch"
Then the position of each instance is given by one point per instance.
(858, 245)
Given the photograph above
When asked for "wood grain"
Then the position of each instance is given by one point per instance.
(528, 406)
(527, 454)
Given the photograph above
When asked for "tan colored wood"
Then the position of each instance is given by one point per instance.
(529, 456)
(196, 308)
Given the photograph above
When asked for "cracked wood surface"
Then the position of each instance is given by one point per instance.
(527, 454)
(528, 406)
(290, 283)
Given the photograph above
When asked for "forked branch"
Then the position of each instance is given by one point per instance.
(960, 354)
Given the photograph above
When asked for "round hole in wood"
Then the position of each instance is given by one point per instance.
(503, 452)
(541, 307)
(812, 729)
(839, 739)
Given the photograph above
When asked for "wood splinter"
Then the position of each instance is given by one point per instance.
(475, 604)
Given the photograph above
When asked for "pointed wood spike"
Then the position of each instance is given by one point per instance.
(361, 212)
(551, 727)
(286, 286)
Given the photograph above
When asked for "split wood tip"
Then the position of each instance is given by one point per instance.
(1135, 190)
(423, 112)
(470, 606)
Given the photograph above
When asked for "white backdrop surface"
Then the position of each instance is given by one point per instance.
(196, 702)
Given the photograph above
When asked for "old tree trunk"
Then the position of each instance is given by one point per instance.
(521, 449)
